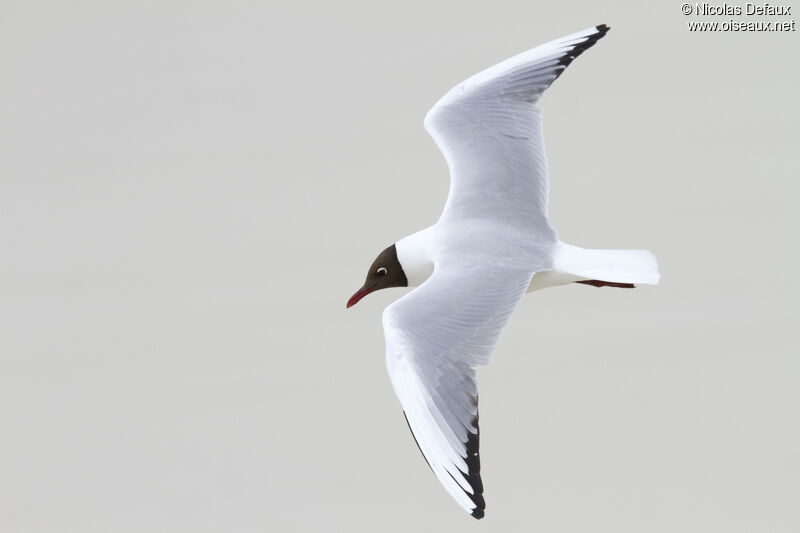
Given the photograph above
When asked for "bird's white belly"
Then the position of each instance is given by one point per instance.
(477, 242)
(551, 278)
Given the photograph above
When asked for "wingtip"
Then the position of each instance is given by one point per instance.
(474, 475)
(587, 42)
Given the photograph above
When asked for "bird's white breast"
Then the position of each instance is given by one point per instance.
(415, 254)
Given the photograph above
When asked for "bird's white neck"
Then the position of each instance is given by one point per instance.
(415, 254)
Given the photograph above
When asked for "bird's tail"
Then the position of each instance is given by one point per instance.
(615, 268)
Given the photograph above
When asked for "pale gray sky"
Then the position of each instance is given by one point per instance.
(190, 191)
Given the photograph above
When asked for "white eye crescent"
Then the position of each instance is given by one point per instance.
(381, 271)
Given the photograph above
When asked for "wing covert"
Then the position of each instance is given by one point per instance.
(490, 133)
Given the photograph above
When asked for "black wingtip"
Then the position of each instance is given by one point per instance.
(602, 29)
(473, 461)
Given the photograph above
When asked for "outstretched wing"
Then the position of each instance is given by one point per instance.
(490, 133)
(435, 336)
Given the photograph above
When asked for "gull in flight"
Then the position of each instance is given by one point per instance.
(492, 243)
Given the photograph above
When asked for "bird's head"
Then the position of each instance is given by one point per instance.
(385, 272)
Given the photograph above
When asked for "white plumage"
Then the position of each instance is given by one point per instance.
(475, 264)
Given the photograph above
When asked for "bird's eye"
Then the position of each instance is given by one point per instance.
(381, 271)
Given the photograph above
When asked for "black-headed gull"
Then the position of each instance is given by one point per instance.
(492, 243)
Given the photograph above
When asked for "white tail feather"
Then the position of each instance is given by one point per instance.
(571, 264)
(618, 266)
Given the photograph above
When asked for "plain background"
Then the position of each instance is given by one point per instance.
(189, 193)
